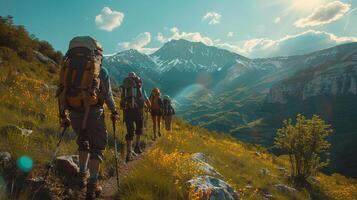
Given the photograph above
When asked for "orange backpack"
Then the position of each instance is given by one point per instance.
(79, 75)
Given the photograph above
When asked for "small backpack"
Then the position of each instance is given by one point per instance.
(167, 106)
(79, 75)
(156, 103)
(131, 95)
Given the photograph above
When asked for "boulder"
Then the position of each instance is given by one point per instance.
(199, 157)
(5, 157)
(211, 188)
(201, 160)
(67, 165)
(13, 129)
(284, 188)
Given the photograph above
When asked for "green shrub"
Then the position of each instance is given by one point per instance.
(304, 142)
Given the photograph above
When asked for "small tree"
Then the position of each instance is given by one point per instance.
(304, 142)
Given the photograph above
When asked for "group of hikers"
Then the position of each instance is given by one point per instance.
(83, 90)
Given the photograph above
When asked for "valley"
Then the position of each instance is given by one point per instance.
(249, 98)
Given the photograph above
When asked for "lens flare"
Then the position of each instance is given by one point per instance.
(24, 163)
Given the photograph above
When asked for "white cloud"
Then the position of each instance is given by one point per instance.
(324, 14)
(139, 43)
(109, 19)
(230, 34)
(298, 44)
(212, 17)
(277, 20)
(232, 47)
(176, 34)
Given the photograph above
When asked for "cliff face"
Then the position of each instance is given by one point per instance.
(335, 78)
(330, 91)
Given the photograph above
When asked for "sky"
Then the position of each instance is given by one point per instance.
(253, 28)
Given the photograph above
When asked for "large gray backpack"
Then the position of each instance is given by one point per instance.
(131, 95)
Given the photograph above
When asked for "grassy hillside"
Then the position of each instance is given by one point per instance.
(163, 171)
(27, 101)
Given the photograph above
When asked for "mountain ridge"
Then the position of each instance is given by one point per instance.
(232, 97)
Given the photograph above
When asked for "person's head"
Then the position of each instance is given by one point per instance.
(156, 92)
(131, 74)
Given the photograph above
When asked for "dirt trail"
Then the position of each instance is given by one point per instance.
(110, 185)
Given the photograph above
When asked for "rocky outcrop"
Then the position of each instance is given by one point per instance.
(5, 157)
(211, 188)
(329, 79)
(334, 83)
(13, 129)
(285, 189)
(44, 59)
(202, 161)
(67, 165)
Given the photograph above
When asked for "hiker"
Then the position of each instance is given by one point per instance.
(132, 103)
(167, 112)
(84, 88)
(156, 110)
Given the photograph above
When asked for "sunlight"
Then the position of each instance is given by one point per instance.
(303, 5)
(187, 92)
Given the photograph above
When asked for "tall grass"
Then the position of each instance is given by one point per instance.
(166, 167)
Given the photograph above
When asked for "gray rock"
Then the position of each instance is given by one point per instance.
(249, 187)
(201, 160)
(67, 165)
(44, 59)
(5, 157)
(267, 196)
(212, 188)
(13, 129)
(264, 172)
(284, 188)
(199, 157)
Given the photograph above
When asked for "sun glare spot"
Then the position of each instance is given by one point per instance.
(24, 163)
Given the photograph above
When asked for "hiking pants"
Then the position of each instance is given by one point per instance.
(168, 122)
(134, 123)
(94, 138)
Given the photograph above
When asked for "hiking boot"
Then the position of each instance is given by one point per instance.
(129, 153)
(82, 179)
(93, 190)
(129, 157)
(138, 150)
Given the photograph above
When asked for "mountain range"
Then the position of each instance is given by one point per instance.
(249, 98)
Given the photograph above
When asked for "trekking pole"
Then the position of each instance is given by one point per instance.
(116, 154)
(54, 154)
(146, 128)
(47, 172)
